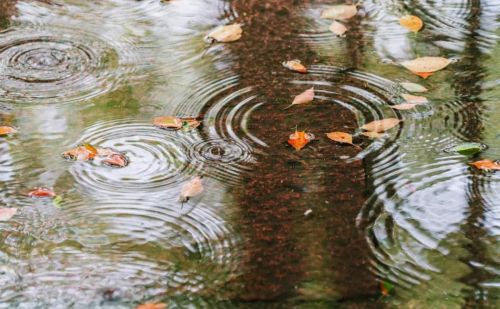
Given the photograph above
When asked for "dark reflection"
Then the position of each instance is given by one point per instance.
(286, 253)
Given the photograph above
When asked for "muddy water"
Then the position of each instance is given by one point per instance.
(401, 211)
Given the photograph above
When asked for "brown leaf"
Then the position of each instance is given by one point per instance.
(228, 33)
(168, 122)
(80, 153)
(299, 139)
(152, 306)
(341, 12)
(41, 192)
(372, 135)
(116, 160)
(411, 22)
(5, 130)
(426, 66)
(295, 65)
(338, 28)
(303, 98)
(381, 125)
(414, 99)
(191, 189)
(487, 165)
(7, 213)
(403, 106)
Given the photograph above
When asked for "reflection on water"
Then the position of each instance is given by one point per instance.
(97, 72)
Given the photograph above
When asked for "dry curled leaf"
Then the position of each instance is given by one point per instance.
(299, 139)
(224, 34)
(426, 66)
(381, 125)
(404, 106)
(338, 28)
(295, 65)
(191, 189)
(41, 192)
(303, 98)
(414, 99)
(7, 213)
(412, 87)
(5, 130)
(152, 306)
(486, 164)
(411, 22)
(341, 12)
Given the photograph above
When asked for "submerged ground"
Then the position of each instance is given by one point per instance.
(396, 222)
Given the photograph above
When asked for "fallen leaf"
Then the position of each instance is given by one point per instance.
(168, 122)
(224, 34)
(341, 137)
(372, 135)
(303, 98)
(404, 106)
(80, 153)
(411, 22)
(5, 130)
(295, 65)
(41, 192)
(7, 213)
(341, 12)
(338, 28)
(191, 189)
(487, 165)
(116, 160)
(414, 99)
(152, 306)
(381, 125)
(299, 139)
(426, 66)
(467, 148)
(412, 87)
(57, 201)
(190, 123)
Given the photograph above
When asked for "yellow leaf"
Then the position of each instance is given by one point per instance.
(4, 130)
(412, 23)
(425, 66)
(414, 99)
(342, 12)
(381, 125)
(486, 165)
(303, 98)
(295, 65)
(191, 189)
(224, 34)
(338, 28)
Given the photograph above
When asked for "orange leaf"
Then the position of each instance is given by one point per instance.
(303, 98)
(426, 66)
(116, 160)
(4, 130)
(486, 165)
(224, 34)
(299, 139)
(190, 189)
(412, 23)
(7, 213)
(80, 153)
(341, 137)
(295, 65)
(152, 306)
(381, 125)
(42, 192)
(424, 74)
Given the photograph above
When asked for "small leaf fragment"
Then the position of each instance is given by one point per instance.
(6, 130)
(426, 66)
(7, 213)
(152, 306)
(381, 125)
(303, 98)
(404, 106)
(338, 28)
(80, 153)
(41, 192)
(295, 65)
(411, 22)
(341, 12)
(191, 189)
(467, 148)
(412, 87)
(225, 34)
(487, 165)
(414, 99)
(299, 139)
